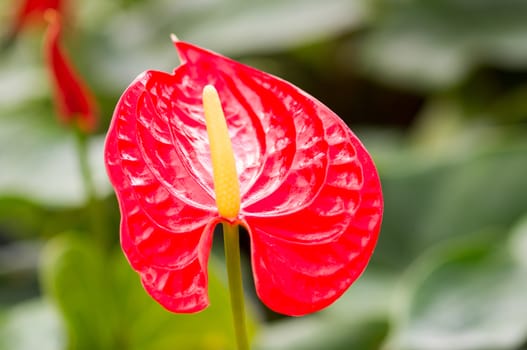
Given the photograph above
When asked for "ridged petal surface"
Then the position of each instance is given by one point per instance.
(165, 237)
(304, 261)
(310, 194)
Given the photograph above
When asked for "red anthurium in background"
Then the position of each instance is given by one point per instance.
(30, 12)
(75, 103)
(33, 11)
(310, 196)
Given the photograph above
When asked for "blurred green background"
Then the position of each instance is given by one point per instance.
(437, 91)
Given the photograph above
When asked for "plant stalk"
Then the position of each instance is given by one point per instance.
(97, 216)
(234, 272)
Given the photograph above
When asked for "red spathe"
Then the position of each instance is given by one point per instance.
(74, 101)
(310, 195)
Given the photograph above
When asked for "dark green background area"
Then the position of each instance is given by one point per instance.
(436, 90)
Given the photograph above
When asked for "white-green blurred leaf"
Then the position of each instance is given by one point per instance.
(464, 297)
(518, 242)
(435, 44)
(130, 42)
(22, 74)
(238, 26)
(31, 325)
(316, 334)
(39, 161)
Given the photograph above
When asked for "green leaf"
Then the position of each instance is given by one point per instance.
(105, 306)
(315, 334)
(486, 191)
(466, 295)
(449, 197)
(154, 328)
(407, 199)
(24, 219)
(22, 76)
(435, 44)
(518, 241)
(75, 276)
(31, 325)
(231, 27)
(268, 25)
(39, 158)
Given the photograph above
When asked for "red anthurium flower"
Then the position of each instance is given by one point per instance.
(74, 101)
(32, 12)
(310, 195)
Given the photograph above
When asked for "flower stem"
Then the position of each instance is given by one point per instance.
(234, 272)
(97, 216)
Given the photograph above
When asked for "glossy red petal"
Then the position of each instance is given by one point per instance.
(74, 101)
(314, 208)
(311, 196)
(305, 260)
(172, 266)
(277, 139)
(166, 240)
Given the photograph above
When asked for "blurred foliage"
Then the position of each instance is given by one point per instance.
(436, 89)
(435, 44)
(51, 149)
(467, 295)
(77, 277)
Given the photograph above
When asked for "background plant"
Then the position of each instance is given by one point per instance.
(437, 91)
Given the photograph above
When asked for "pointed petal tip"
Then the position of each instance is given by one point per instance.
(174, 38)
(176, 42)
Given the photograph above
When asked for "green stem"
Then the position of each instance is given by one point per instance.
(234, 272)
(97, 216)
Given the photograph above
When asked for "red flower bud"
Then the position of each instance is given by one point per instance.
(73, 99)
